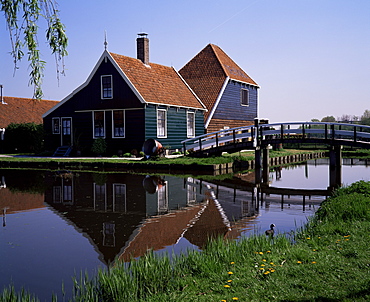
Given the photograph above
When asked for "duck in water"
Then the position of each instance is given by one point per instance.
(271, 231)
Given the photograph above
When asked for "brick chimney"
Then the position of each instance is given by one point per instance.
(142, 43)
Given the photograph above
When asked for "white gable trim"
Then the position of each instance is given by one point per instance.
(104, 56)
(217, 102)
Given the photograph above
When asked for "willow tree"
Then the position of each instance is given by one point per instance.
(23, 18)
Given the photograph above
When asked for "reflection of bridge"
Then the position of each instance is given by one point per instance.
(260, 137)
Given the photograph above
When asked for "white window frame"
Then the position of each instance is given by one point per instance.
(162, 198)
(124, 124)
(242, 97)
(102, 88)
(190, 132)
(124, 198)
(93, 120)
(59, 125)
(159, 130)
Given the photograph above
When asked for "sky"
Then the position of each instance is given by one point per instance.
(311, 58)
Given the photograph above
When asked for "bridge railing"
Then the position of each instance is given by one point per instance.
(280, 132)
(219, 138)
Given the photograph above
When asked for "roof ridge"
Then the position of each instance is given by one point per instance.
(218, 58)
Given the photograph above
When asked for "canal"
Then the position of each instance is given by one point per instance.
(58, 224)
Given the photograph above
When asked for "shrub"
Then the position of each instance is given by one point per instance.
(24, 137)
(99, 146)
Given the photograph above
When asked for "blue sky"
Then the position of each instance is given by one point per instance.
(311, 58)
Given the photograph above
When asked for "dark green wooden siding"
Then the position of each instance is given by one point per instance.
(176, 125)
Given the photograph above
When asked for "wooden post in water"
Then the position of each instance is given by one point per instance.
(335, 167)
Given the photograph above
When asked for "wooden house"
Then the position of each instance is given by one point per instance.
(126, 101)
(230, 95)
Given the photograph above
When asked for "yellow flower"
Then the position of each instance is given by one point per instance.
(272, 270)
(299, 261)
(230, 273)
(227, 285)
(235, 298)
(264, 260)
(346, 239)
(261, 253)
(272, 263)
(262, 269)
(268, 252)
(308, 238)
(223, 300)
(266, 273)
(313, 262)
(262, 265)
(229, 280)
(314, 250)
(346, 236)
(232, 262)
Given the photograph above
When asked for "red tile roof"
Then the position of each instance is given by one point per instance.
(157, 84)
(22, 110)
(207, 71)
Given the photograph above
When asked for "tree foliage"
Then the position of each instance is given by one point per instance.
(365, 118)
(23, 19)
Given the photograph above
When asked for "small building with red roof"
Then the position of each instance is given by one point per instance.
(126, 101)
(228, 92)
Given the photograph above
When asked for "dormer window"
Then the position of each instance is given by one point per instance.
(244, 97)
(106, 87)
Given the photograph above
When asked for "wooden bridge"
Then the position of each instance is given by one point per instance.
(262, 135)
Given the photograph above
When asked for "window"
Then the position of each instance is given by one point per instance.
(106, 87)
(244, 97)
(56, 125)
(163, 198)
(118, 123)
(190, 124)
(161, 123)
(119, 197)
(66, 125)
(100, 198)
(99, 130)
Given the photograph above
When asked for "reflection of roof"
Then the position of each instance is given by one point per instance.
(159, 232)
(210, 225)
(207, 71)
(19, 202)
(22, 110)
(156, 83)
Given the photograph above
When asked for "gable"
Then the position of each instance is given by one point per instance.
(209, 72)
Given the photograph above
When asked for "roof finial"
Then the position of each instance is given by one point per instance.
(105, 40)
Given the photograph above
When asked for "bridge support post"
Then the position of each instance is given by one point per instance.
(258, 165)
(265, 165)
(335, 167)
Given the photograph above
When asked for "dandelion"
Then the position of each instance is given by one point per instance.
(272, 270)
(235, 298)
(229, 281)
(262, 269)
(299, 261)
(262, 264)
(266, 273)
(232, 262)
(272, 263)
(230, 273)
(313, 262)
(223, 301)
(227, 285)
(261, 253)
(347, 236)
(268, 252)
(308, 238)
(264, 260)
(346, 239)
(314, 250)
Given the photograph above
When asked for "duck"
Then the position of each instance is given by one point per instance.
(271, 231)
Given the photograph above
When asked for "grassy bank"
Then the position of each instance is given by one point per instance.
(184, 160)
(326, 260)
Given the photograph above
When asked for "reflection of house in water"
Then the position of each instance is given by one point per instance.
(21, 192)
(125, 215)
